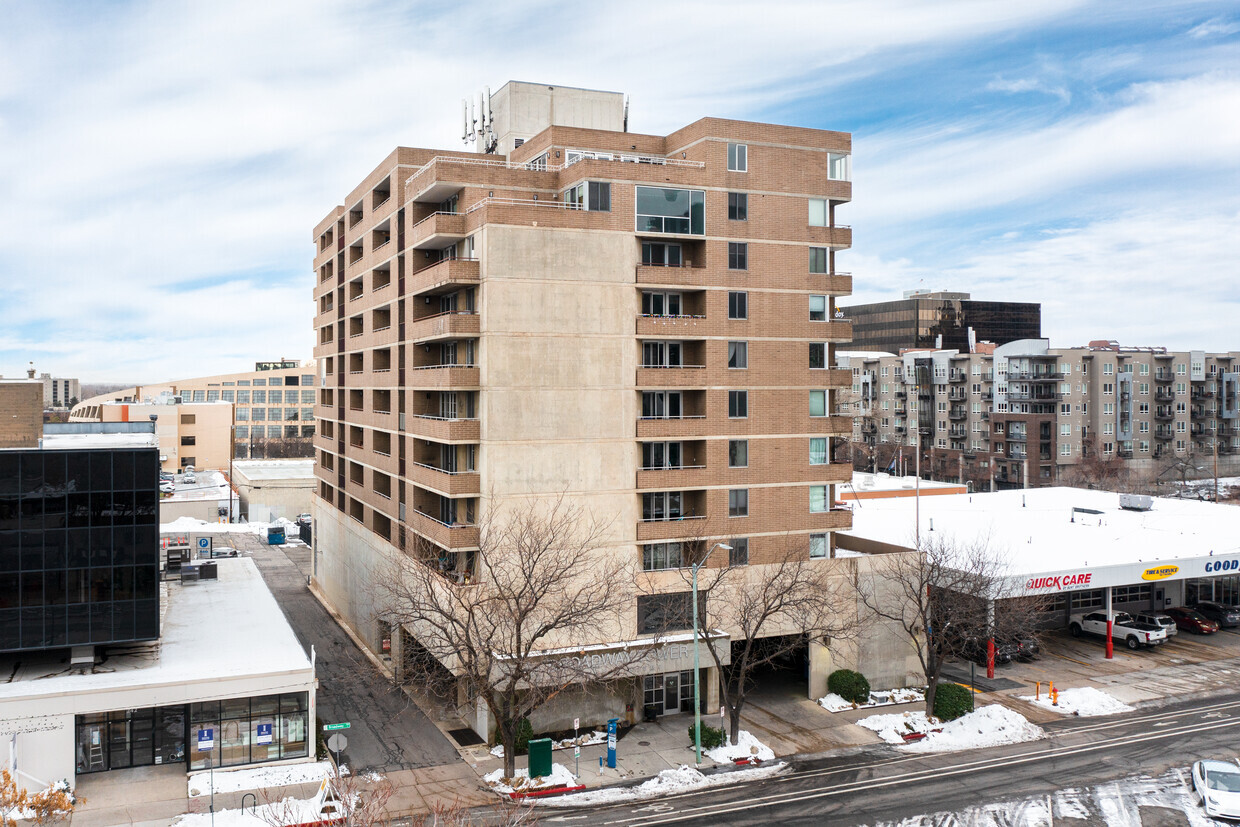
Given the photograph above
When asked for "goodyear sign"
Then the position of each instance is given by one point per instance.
(1159, 572)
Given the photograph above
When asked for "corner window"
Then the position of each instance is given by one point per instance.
(738, 158)
(663, 210)
(738, 502)
(818, 499)
(839, 166)
(738, 355)
(738, 305)
(817, 308)
(738, 206)
(738, 255)
(738, 404)
(738, 453)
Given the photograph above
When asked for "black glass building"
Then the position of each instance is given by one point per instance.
(79, 545)
(940, 320)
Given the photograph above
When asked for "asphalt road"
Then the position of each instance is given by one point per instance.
(884, 784)
(388, 732)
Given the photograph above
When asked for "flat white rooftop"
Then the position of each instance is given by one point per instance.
(68, 442)
(215, 635)
(877, 485)
(275, 469)
(209, 485)
(1035, 531)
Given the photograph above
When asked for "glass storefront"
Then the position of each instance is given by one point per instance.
(1225, 589)
(246, 731)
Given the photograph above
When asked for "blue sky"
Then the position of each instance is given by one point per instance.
(163, 163)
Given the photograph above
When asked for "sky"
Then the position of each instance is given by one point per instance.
(163, 164)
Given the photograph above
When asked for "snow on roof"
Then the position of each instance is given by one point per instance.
(863, 482)
(210, 485)
(63, 442)
(863, 354)
(1033, 530)
(227, 627)
(274, 469)
(192, 526)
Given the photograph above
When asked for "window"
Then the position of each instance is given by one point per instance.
(818, 499)
(819, 213)
(661, 304)
(738, 453)
(818, 260)
(189, 419)
(661, 255)
(738, 502)
(738, 255)
(817, 308)
(839, 166)
(738, 305)
(589, 195)
(739, 555)
(663, 210)
(738, 404)
(661, 405)
(738, 206)
(660, 506)
(818, 546)
(668, 612)
(818, 450)
(738, 158)
(189, 440)
(818, 355)
(661, 556)
(817, 403)
(738, 354)
(662, 355)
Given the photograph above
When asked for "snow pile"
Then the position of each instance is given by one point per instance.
(286, 811)
(885, 697)
(746, 746)
(684, 779)
(521, 782)
(587, 739)
(191, 525)
(1085, 701)
(988, 726)
(230, 781)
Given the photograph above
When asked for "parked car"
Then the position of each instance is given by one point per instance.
(1217, 784)
(1027, 648)
(1221, 613)
(167, 487)
(1123, 627)
(1159, 619)
(975, 649)
(223, 551)
(303, 519)
(188, 478)
(1191, 621)
(167, 476)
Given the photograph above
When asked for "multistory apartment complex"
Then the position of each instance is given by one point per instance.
(58, 393)
(643, 323)
(1026, 414)
(272, 408)
(924, 319)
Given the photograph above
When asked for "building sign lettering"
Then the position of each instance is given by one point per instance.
(1159, 572)
(1059, 582)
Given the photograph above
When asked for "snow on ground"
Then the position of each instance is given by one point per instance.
(1117, 803)
(286, 811)
(587, 739)
(986, 726)
(560, 777)
(1085, 701)
(886, 697)
(667, 782)
(746, 746)
(229, 781)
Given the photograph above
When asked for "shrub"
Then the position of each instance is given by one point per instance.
(849, 685)
(525, 731)
(711, 737)
(951, 700)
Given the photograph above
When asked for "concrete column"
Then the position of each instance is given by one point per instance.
(1110, 640)
(398, 653)
(820, 667)
(710, 692)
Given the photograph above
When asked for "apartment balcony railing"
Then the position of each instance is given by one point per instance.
(451, 325)
(442, 429)
(1164, 395)
(670, 376)
(668, 478)
(437, 231)
(957, 414)
(433, 377)
(671, 427)
(448, 483)
(447, 535)
(1164, 376)
(444, 276)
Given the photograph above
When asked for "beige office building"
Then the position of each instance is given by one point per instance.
(642, 321)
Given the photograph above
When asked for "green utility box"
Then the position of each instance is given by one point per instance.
(540, 757)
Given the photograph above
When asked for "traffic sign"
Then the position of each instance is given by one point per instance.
(335, 727)
(576, 723)
(206, 739)
(337, 743)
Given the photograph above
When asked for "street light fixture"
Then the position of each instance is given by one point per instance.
(697, 697)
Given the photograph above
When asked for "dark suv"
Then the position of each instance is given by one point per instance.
(1221, 613)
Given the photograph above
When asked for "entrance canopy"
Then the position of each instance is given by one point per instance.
(1050, 540)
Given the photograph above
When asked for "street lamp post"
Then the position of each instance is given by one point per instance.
(697, 681)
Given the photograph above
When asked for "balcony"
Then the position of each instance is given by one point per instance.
(678, 427)
(452, 325)
(675, 326)
(957, 376)
(1163, 432)
(1164, 414)
(957, 432)
(1164, 376)
(438, 230)
(456, 536)
(444, 276)
(440, 429)
(1164, 395)
(957, 394)
(689, 526)
(957, 414)
(448, 483)
(664, 479)
(447, 377)
(901, 394)
(680, 376)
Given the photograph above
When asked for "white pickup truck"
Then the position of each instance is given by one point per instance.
(1123, 627)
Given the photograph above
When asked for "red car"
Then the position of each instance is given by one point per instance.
(1191, 621)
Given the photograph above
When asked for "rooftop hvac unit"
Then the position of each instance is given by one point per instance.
(1136, 502)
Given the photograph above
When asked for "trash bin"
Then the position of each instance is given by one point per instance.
(540, 757)
(650, 713)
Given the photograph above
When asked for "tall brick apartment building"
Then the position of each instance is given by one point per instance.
(642, 321)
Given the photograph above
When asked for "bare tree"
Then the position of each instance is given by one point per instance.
(770, 609)
(510, 636)
(346, 799)
(940, 599)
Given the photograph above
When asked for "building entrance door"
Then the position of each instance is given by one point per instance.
(671, 693)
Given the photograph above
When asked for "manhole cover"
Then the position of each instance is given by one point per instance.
(643, 743)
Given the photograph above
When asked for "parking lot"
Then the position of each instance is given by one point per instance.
(1184, 664)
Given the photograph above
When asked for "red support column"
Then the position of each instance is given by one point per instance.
(1110, 641)
(990, 658)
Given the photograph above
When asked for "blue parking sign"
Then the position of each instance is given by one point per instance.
(262, 734)
(206, 739)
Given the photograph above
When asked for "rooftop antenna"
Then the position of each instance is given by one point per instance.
(626, 113)
(479, 121)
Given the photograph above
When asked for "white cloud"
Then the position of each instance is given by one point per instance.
(1214, 27)
(1029, 85)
